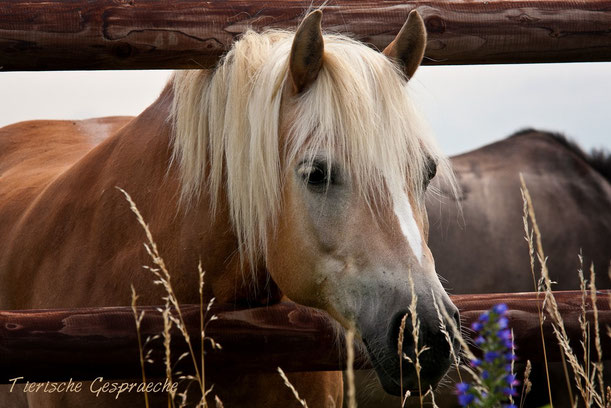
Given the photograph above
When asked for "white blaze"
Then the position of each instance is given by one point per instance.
(403, 210)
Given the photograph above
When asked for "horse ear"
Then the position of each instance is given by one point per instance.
(407, 49)
(307, 51)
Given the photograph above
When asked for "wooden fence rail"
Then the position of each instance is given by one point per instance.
(41, 345)
(148, 34)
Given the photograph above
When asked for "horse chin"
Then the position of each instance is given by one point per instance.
(386, 366)
(392, 385)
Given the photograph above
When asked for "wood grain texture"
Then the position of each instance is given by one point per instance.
(148, 34)
(87, 343)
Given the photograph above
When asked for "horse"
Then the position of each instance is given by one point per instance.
(295, 169)
(571, 193)
(479, 233)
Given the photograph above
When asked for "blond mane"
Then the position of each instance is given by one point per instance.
(227, 129)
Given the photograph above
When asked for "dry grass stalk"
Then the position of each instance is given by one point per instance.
(583, 382)
(167, 340)
(295, 393)
(405, 397)
(433, 403)
(400, 349)
(444, 330)
(350, 368)
(163, 278)
(538, 286)
(513, 353)
(202, 333)
(583, 321)
(527, 384)
(138, 318)
(171, 301)
(416, 336)
(465, 349)
(599, 350)
(457, 334)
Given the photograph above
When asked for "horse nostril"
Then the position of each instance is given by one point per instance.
(395, 329)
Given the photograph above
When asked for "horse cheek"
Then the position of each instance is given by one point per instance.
(290, 257)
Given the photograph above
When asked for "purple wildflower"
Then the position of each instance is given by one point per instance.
(510, 356)
(504, 334)
(494, 338)
(490, 356)
(477, 326)
(501, 308)
(462, 387)
(510, 391)
(511, 380)
(465, 399)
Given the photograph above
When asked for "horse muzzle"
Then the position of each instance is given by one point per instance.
(399, 374)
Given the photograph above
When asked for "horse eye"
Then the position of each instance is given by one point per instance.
(317, 176)
(431, 171)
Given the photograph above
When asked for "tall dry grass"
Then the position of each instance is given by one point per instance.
(588, 372)
(173, 317)
(587, 369)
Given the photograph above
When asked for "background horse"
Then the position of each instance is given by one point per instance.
(478, 241)
(571, 193)
(297, 168)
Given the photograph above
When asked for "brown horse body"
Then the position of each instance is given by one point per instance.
(274, 170)
(44, 266)
(123, 152)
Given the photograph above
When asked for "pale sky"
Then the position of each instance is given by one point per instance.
(467, 106)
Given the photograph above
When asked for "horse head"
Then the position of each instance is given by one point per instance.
(314, 144)
(351, 235)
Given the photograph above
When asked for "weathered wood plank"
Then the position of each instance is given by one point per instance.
(146, 34)
(87, 343)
